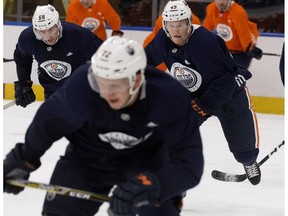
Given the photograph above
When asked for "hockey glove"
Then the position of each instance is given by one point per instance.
(200, 108)
(255, 52)
(15, 167)
(119, 33)
(203, 112)
(24, 94)
(143, 189)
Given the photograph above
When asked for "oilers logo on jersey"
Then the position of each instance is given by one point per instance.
(122, 141)
(224, 31)
(91, 23)
(188, 77)
(57, 69)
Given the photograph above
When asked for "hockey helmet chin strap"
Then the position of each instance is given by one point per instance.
(134, 93)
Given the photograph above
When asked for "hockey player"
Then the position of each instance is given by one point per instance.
(157, 27)
(230, 21)
(199, 60)
(92, 14)
(59, 48)
(127, 126)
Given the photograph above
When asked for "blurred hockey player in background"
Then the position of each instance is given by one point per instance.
(199, 60)
(59, 48)
(127, 126)
(230, 21)
(92, 14)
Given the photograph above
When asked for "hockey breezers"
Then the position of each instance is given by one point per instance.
(222, 176)
(64, 191)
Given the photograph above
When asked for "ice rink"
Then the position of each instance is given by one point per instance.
(209, 198)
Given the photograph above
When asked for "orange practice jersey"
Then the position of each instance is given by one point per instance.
(93, 18)
(157, 27)
(233, 26)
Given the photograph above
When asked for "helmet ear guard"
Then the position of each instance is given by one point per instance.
(118, 58)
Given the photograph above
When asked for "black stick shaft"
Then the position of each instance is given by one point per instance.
(7, 60)
(271, 54)
(271, 153)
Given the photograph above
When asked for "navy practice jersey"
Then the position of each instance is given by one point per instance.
(162, 115)
(57, 62)
(203, 65)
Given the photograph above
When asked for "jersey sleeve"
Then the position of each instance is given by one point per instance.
(242, 28)
(208, 21)
(157, 27)
(111, 16)
(23, 57)
(152, 52)
(185, 167)
(219, 66)
(70, 17)
(195, 20)
(90, 44)
(58, 117)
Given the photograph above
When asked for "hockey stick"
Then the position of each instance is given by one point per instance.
(7, 60)
(6, 106)
(64, 191)
(222, 176)
(271, 54)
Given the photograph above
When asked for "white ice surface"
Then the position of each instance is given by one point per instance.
(209, 198)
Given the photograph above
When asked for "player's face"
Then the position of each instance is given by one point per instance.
(178, 31)
(49, 36)
(115, 92)
(222, 4)
(87, 3)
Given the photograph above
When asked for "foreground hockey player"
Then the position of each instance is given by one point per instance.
(127, 128)
(59, 48)
(199, 60)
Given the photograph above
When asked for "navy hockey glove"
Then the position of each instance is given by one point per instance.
(255, 52)
(143, 189)
(24, 94)
(203, 112)
(15, 167)
(119, 33)
(200, 108)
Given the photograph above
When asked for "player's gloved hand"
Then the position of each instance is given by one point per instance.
(256, 52)
(203, 112)
(119, 33)
(143, 189)
(16, 167)
(24, 94)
